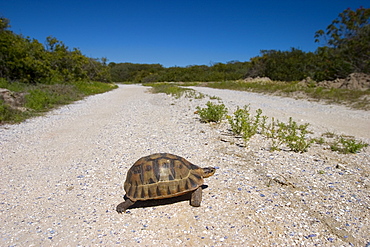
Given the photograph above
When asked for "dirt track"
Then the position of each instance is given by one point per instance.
(62, 176)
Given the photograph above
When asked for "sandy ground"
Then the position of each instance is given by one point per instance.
(62, 176)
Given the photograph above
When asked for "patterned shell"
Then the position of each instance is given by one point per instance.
(161, 175)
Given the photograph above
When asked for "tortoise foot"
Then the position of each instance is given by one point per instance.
(124, 205)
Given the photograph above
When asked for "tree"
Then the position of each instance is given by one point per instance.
(4, 24)
(27, 60)
(349, 35)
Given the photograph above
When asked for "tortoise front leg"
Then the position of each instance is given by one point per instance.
(124, 205)
(196, 197)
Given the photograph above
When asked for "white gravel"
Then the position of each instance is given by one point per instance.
(62, 175)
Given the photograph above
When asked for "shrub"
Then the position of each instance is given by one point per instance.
(212, 113)
(242, 123)
(10, 115)
(294, 135)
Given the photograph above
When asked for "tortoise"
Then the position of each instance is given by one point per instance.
(163, 175)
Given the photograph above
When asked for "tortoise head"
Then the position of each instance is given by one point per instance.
(208, 171)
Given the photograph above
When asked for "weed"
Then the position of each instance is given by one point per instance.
(347, 145)
(190, 93)
(328, 134)
(240, 117)
(242, 123)
(175, 90)
(272, 133)
(343, 144)
(294, 135)
(320, 140)
(215, 97)
(212, 113)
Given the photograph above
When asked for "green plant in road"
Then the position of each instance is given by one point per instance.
(294, 135)
(347, 145)
(175, 90)
(242, 123)
(241, 115)
(291, 134)
(212, 113)
(272, 132)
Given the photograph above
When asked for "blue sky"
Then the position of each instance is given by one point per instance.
(176, 32)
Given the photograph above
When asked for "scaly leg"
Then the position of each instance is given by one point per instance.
(196, 197)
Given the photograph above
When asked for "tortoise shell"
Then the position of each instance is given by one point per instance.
(163, 175)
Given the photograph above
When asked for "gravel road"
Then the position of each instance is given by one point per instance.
(62, 176)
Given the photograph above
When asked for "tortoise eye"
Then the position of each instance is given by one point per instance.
(148, 168)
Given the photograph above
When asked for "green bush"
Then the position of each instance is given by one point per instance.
(212, 113)
(294, 135)
(242, 123)
(10, 115)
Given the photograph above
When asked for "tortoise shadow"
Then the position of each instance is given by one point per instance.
(162, 202)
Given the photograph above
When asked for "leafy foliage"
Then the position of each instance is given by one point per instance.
(291, 134)
(290, 65)
(349, 36)
(27, 60)
(147, 73)
(346, 145)
(212, 113)
(294, 135)
(48, 75)
(243, 123)
(287, 135)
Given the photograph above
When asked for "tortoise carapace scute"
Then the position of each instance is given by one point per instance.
(163, 175)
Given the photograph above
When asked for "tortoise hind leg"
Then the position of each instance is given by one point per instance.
(124, 205)
(196, 197)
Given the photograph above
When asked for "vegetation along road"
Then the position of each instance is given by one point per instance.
(62, 174)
